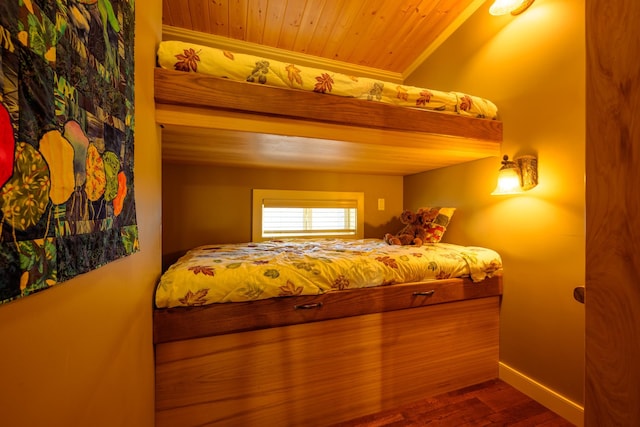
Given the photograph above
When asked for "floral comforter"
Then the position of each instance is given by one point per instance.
(182, 56)
(254, 271)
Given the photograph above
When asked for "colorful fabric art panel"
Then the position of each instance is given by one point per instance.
(66, 140)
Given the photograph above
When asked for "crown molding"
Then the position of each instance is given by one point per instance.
(239, 46)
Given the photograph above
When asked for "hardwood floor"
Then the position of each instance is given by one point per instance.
(493, 403)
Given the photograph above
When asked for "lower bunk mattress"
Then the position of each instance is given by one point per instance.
(220, 289)
(284, 268)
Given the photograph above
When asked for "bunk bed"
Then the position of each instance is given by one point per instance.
(218, 120)
(315, 332)
(336, 354)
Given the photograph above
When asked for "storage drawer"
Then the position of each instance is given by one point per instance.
(192, 322)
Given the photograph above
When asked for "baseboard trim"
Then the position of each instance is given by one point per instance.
(559, 404)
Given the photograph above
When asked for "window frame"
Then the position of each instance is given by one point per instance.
(335, 199)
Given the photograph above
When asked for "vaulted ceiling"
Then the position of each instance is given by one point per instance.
(390, 35)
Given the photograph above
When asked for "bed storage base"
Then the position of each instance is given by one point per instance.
(386, 347)
(182, 323)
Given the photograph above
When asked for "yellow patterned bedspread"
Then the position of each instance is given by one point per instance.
(254, 271)
(183, 56)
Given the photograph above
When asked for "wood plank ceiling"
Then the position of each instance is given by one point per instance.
(390, 35)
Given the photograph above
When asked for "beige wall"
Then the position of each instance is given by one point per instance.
(81, 354)
(529, 66)
(211, 204)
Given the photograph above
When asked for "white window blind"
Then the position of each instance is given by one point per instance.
(287, 213)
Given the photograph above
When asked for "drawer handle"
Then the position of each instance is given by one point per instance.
(424, 293)
(308, 306)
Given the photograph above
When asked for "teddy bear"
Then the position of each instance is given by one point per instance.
(415, 227)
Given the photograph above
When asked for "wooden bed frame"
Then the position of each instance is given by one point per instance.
(319, 360)
(323, 359)
(218, 121)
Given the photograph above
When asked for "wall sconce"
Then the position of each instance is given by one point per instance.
(514, 7)
(517, 176)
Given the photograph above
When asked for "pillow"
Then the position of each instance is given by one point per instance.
(435, 230)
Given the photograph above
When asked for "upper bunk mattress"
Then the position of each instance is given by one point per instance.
(254, 271)
(189, 57)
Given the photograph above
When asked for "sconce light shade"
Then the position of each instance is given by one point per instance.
(517, 176)
(514, 7)
(508, 178)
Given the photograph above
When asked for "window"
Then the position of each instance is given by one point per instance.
(290, 213)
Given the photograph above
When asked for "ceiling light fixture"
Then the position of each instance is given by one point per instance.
(514, 7)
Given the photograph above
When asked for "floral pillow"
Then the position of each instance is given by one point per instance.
(435, 230)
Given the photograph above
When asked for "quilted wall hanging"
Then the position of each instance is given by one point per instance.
(66, 140)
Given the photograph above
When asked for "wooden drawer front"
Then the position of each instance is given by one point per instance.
(320, 373)
(185, 323)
